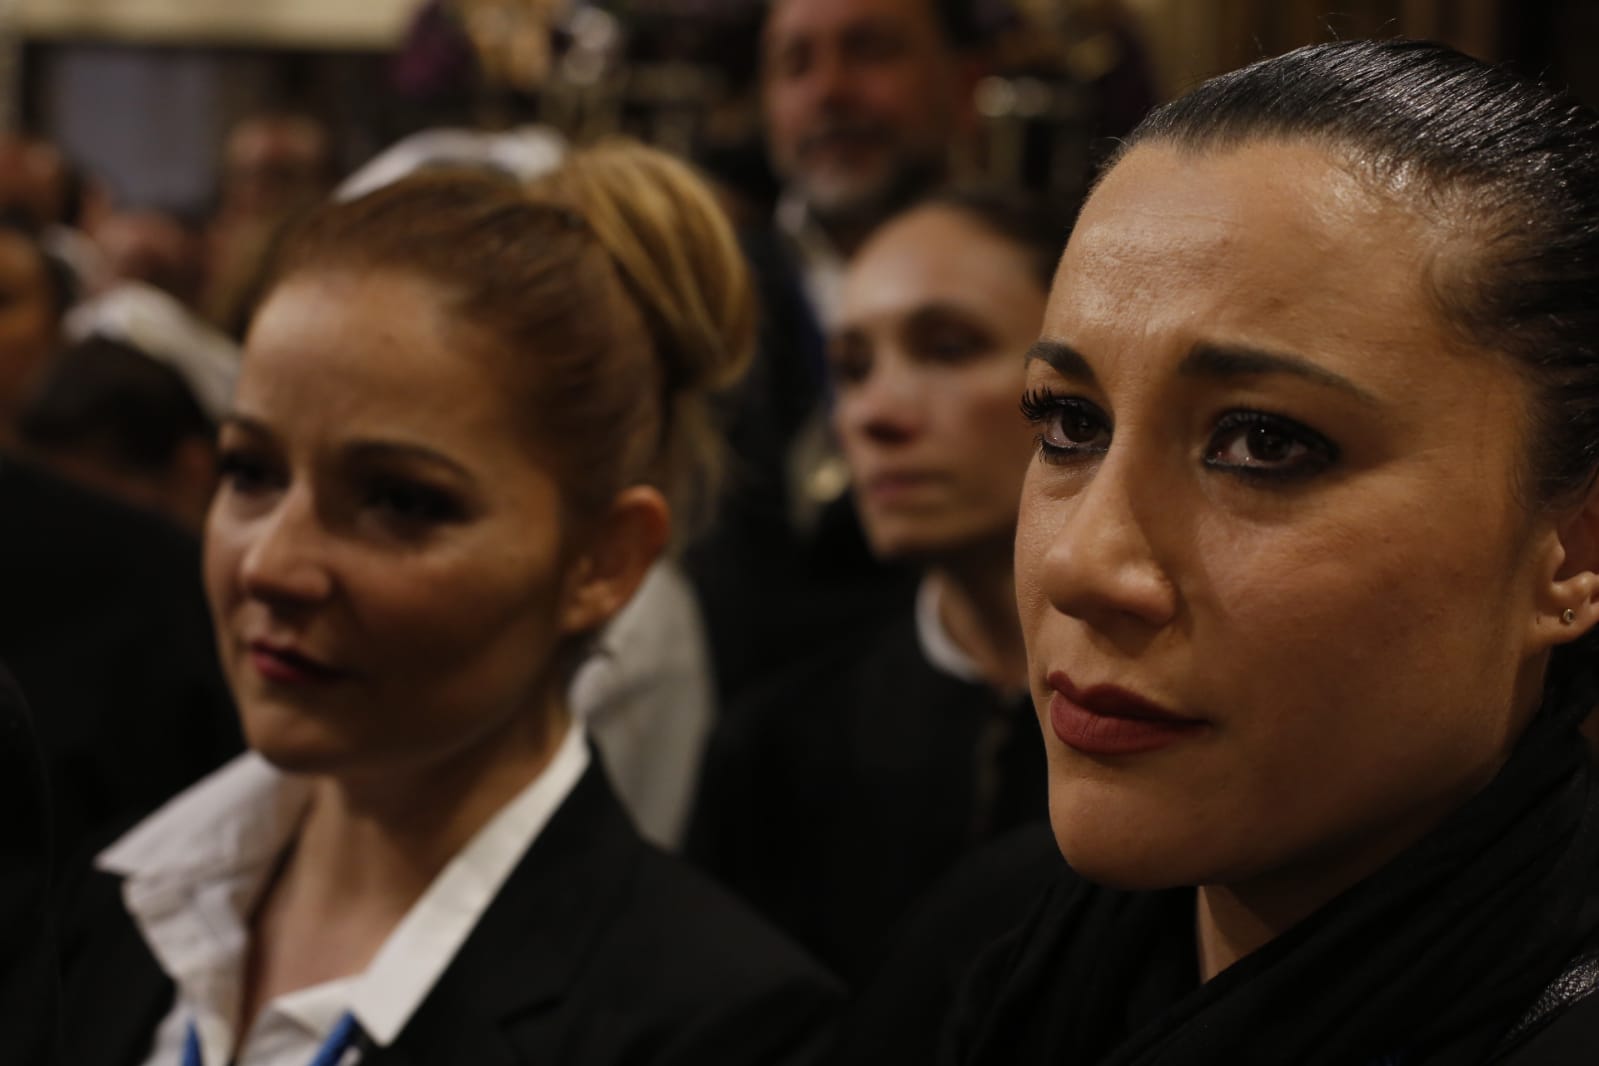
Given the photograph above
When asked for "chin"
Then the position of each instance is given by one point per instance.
(1126, 854)
(295, 744)
(921, 542)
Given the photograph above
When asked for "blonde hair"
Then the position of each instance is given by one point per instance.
(616, 287)
(681, 264)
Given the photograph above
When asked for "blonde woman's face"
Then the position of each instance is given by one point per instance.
(383, 557)
(1281, 604)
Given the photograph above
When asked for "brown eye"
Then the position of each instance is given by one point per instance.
(849, 360)
(1258, 444)
(1069, 426)
(1078, 426)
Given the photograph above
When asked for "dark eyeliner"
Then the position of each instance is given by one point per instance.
(1321, 452)
(1043, 406)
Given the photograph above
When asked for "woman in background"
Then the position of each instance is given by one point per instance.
(836, 794)
(459, 422)
(36, 290)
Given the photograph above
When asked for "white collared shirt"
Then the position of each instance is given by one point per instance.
(821, 264)
(646, 697)
(937, 645)
(195, 869)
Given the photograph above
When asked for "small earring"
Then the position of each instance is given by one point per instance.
(1567, 616)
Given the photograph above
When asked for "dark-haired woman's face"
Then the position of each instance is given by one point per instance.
(1282, 606)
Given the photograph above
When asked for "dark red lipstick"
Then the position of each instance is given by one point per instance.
(286, 665)
(1106, 720)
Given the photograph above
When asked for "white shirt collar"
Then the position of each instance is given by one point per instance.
(195, 868)
(936, 643)
(821, 264)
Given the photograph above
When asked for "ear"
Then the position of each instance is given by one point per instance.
(1567, 605)
(611, 563)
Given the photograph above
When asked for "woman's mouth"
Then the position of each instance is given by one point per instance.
(285, 665)
(1107, 720)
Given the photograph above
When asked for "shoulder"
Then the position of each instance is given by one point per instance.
(1570, 1032)
(27, 958)
(723, 955)
(957, 946)
(601, 949)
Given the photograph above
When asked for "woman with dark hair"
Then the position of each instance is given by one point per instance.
(1308, 571)
(36, 291)
(463, 409)
(837, 793)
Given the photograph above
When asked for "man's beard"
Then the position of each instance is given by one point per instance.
(862, 203)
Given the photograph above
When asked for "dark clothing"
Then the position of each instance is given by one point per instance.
(29, 987)
(896, 1018)
(1431, 961)
(105, 627)
(598, 950)
(839, 793)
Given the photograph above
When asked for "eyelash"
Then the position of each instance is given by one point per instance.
(243, 471)
(1043, 406)
(398, 502)
(409, 503)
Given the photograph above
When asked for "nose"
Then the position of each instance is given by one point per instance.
(885, 408)
(1100, 560)
(284, 562)
(827, 82)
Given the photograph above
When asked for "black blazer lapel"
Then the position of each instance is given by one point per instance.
(117, 993)
(523, 956)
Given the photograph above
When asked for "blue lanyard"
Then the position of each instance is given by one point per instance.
(344, 1036)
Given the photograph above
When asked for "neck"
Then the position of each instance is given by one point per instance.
(1237, 919)
(977, 606)
(371, 844)
(378, 839)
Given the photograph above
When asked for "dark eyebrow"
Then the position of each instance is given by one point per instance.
(403, 451)
(244, 423)
(1208, 360)
(1064, 359)
(366, 450)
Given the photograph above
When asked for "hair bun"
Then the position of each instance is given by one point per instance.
(676, 255)
(676, 252)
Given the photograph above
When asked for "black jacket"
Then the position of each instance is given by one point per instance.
(104, 626)
(834, 797)
(598, 950)
(28, 982)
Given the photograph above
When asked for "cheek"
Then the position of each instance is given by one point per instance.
(1350, 647)
(1032, 545)
(223, 548)
(985, 418)
(785, 114)
(460, 620)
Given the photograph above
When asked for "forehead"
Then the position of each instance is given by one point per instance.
(337, 355)
(936, 254)
(1276, 244)
(794, 20)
